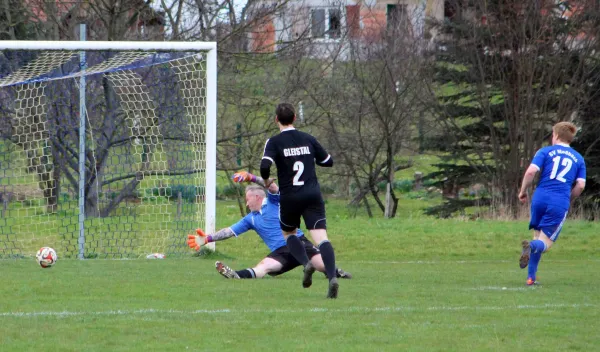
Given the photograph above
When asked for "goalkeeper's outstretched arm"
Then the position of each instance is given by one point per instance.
(201, 239)
(220, 235)
(273, 188)
(244, 176)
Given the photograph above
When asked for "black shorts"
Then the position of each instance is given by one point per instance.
(310, 207)
(285, 257)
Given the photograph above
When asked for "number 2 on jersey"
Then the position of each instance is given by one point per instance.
(299, 168)
(566, 162)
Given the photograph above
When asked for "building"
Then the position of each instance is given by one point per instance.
(131, 20)
(323, 28)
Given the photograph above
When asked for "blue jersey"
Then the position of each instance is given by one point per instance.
(265, 222)
(560, 167)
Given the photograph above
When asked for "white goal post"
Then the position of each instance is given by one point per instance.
(107, 149)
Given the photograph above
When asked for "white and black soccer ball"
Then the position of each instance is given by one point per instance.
(46, 257)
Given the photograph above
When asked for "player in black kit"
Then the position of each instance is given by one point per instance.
(295, 154)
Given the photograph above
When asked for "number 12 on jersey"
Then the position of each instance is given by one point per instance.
(566, 162)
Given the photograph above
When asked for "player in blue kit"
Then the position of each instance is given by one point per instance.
(264, 219)
(562, 180)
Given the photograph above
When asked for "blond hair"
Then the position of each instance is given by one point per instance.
(565, 131)
(256, 189)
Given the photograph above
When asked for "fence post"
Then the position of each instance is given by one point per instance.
(418, 184)
(178, 205)
(4, 206)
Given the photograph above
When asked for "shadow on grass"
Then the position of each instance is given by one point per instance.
(206, 253)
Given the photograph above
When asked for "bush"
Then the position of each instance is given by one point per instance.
(404, 186)
(230, 191)
(188, 192)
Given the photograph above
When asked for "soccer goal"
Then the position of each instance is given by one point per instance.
(107, 149)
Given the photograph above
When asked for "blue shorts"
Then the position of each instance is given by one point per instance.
(548, 218)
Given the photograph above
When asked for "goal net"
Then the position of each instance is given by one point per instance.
(107, 149)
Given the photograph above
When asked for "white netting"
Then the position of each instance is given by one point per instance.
(46, 62)
(148, 151)
(145, 151)
(195, 110)
(117, 61)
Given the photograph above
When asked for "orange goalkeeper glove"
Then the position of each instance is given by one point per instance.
(197, 241)
(243, 176)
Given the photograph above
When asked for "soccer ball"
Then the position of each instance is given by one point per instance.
(46, 257)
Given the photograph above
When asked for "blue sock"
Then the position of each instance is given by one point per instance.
(537, 248)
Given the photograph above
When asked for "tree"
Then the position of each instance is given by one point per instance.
(371, 103)
(507, 71)
(258, 68)
(13, 21)
(114, 20)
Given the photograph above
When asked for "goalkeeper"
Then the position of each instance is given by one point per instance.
(264, 219)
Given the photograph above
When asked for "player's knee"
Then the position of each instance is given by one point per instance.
(320, 224)
(287, 234)
(319, 236)
(260, 271)
(317, 262)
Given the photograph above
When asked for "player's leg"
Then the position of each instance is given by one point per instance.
(540, 235)
(289, 220)
(327, 253)
(296, 247)
(266, 266)
(537, 212)
(287, 261)
(551, 225)
(309, 269)
(317, 262)
(537, 247)
(316, 223)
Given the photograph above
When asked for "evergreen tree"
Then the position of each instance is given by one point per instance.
(507, 71)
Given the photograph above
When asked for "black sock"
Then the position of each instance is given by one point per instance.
(246, 274)
(328, 258)
(297, 249)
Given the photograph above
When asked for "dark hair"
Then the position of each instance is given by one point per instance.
(285, 113)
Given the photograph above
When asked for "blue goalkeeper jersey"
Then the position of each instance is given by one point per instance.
(560, 167)
(265, 222)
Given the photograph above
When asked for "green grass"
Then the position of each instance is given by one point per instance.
(420, 284)
(184, 305)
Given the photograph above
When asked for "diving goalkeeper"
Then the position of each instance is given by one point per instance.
(264, 219)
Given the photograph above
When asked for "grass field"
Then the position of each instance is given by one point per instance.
(420, 284)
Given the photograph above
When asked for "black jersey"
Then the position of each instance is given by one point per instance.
(295, 154)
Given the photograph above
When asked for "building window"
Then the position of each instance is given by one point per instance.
(397, 16)
(326, 23)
